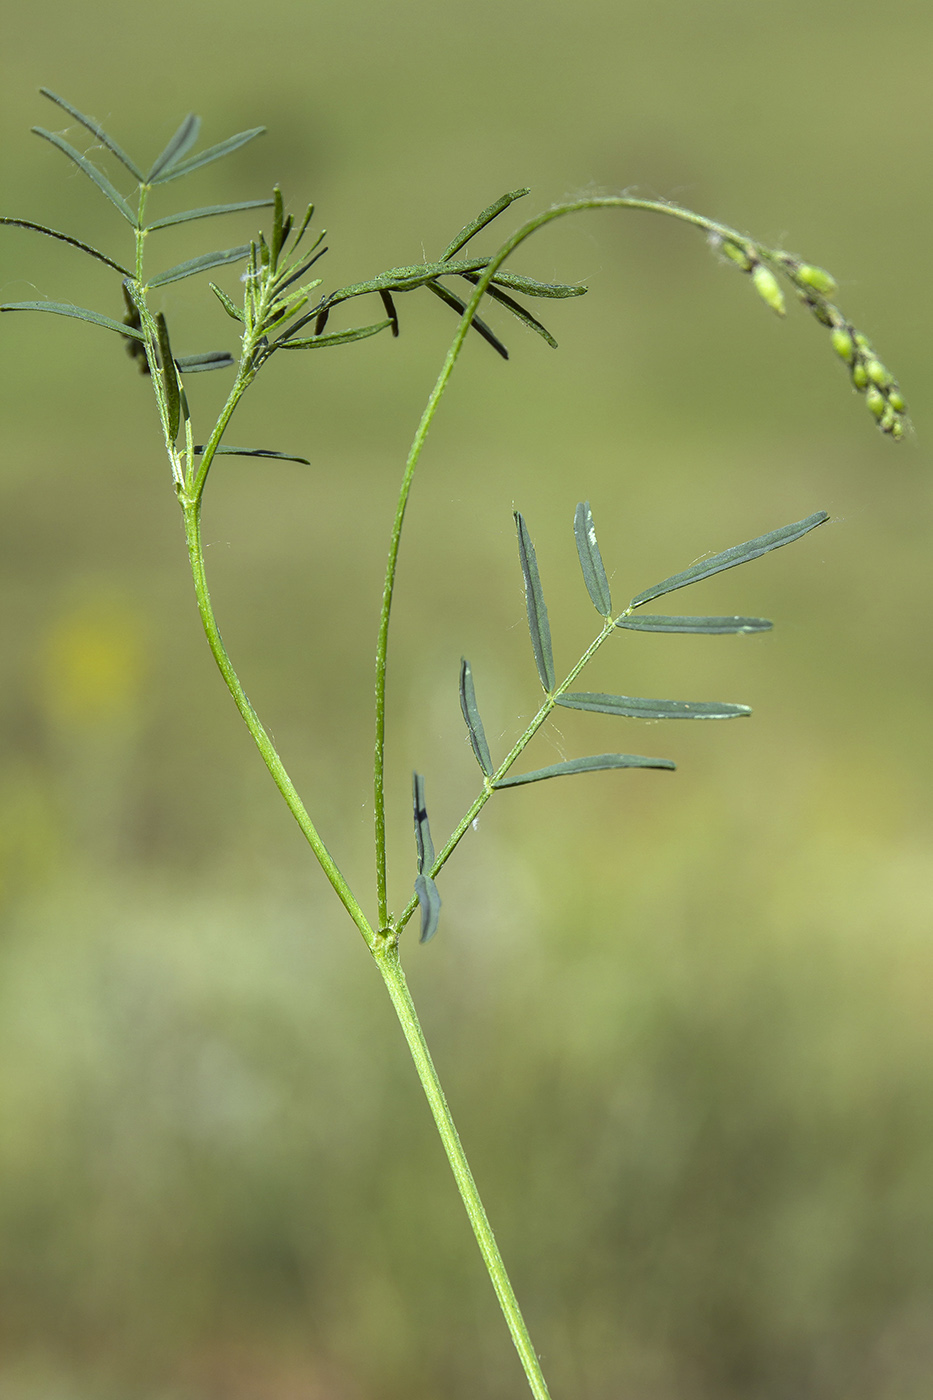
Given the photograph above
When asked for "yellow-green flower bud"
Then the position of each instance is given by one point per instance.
(887, 420)
(897, 429)
(817, 278)
(859, 376)
(877, 373)
(767, 287)
(842, 344)
(895, 399)
(875, 400)
(862, 342)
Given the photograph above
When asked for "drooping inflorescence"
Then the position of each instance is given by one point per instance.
(814, 286)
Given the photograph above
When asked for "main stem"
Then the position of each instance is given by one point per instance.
(393, 975)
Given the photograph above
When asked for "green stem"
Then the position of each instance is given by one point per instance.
(141, 231)
(382, 644)
(197, 480)
(394, 977)
(192, 517)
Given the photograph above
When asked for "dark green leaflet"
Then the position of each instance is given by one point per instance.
(591, 561)
(425, 888)
(594, 764)
(637, 708)
(730, 558)
(472, 719)
(538, 624)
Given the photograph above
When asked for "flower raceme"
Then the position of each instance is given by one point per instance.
(814, 286)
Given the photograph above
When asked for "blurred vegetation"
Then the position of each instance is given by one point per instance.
(710, 1173)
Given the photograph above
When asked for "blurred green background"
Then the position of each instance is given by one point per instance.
(683, 1020)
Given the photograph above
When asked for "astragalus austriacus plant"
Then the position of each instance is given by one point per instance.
(283, 307)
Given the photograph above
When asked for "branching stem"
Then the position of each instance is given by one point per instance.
(383, 941)
(386, 955)
(192, 518)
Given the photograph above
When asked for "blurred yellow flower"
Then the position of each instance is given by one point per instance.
(92, 664)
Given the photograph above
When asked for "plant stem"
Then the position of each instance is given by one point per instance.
(192, 517)
(382, 644)
(393, 975)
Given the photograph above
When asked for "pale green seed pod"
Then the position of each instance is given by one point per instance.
(887, 420)
(768, 288)
(842, 344)
(897, 429)
(895, 399)
(817, 278)
(863, 342)
(859, 376)
(875, 400)
(877, 373)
